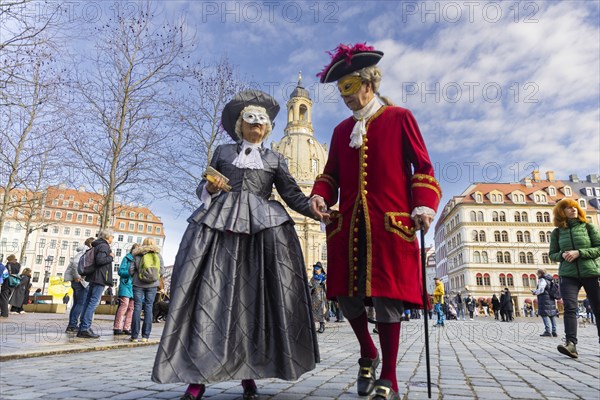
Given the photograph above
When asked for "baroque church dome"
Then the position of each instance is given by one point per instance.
(305, 155)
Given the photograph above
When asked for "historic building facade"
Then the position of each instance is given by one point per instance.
(496, 235)
(306, 158)
(63, 221)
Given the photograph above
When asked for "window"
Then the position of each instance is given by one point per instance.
(61, 261)
(509, 280)
(38, 259)
(478, 198)
(527, 237)
(149, 229)
(76, 204)
(118, 253)
(495, 217)
(120, 238)
(36, 277)
(542, 237)
(519, 236)
(158, 229)
(525, 280)
(90, 219)
(122, 225)
(473, 215)
(131, 214)
(138, 240)
(546, 217)
(480, 216)
(53, 243)
(157, 240)
(522, 258)
(42, 243)
(582, 203)
(497, 236)
(484, 257)
(55, 229)
(129, 239)
(502, 280)
(552, 191)
(567, 191)
(524, 217)
(504, 236)
(499, 258)
(532, 279)
(548, 235)
(46, 214)
(65, 245)
(479, 279)
(69, 216)
(58, 215)
(545, 258)
(67, 230)
(529, 257)
(74, 245)
(486, 279)
(140, 216)
(539, 217)
(477, 257)
(517, 216)
(123, 214)
(88, 232)
(506, 257)
(502, 216)
(481, 236)
(140, 227)
(131, 226)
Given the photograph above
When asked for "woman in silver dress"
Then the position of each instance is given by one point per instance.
(240, 305)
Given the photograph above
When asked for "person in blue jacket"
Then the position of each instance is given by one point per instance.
(124, 315)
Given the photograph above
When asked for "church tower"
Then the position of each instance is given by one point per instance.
(306, 158)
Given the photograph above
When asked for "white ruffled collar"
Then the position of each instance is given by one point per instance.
(249, 156)
(361, 117)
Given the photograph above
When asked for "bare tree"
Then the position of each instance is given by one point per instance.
(29, 123)
(196, 116)
(119, 127)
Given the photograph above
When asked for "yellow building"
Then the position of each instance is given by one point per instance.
(306, 158)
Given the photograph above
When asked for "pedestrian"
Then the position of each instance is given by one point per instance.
(318, 295)
(438, 301)
(470, 304)
(98, 280)
(146, 257)
(496, 307)
(506, 305)
(79, 286)
(240, 304)
(36, 297)
(575, 243)
(124, 314)
(372, 251)
(546, 304)
(13, 268)
(20, 295)
(460, 306)
(588, 310)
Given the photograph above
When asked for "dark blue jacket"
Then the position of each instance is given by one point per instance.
(103, 273)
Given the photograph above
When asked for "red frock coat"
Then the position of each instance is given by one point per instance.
(386, 178)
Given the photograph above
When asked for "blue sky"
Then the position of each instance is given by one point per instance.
(498, 88)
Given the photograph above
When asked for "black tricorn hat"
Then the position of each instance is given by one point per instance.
(232, 110)
(347, 59)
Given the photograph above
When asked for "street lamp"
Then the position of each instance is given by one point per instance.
(47, 268)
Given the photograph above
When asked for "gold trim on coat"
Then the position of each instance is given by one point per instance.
(394, 226)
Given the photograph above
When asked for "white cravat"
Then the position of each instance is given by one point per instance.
(249, 156)
(362, 116)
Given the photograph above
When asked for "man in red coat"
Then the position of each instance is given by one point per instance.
(379, 167)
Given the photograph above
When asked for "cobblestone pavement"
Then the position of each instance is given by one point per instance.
(482, 359)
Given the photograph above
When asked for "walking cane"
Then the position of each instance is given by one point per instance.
(425, 302)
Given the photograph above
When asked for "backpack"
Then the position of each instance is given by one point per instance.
(87, 263)
(14, 280)
(553, 289)
(149, 269)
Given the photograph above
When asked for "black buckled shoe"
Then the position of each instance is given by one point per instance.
(383, 391)
(250, 393)
(367, 375)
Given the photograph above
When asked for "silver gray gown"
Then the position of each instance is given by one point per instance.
(240, 305)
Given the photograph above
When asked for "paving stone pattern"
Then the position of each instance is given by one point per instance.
(482, 359)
